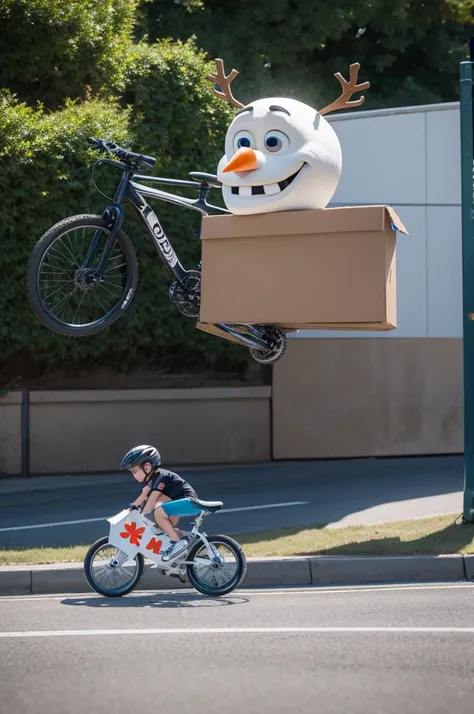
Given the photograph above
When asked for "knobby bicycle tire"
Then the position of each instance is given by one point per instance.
(34, 263)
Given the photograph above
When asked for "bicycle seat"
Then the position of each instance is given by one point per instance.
(211, 506)
(210, 179)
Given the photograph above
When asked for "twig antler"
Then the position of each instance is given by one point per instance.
(224, 83)
(348, 89)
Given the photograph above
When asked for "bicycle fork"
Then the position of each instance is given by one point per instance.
(115, 216)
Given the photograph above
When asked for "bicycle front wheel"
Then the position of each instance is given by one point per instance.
(64, 287)
(106, 578)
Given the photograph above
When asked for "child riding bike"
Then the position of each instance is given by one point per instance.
(164, 492)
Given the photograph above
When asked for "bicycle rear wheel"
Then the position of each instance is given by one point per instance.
(66, 293)
(221, 575)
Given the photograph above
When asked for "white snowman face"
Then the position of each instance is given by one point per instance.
(280, 155)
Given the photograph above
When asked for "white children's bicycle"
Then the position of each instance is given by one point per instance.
(114, 565)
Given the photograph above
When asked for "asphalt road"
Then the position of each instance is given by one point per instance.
(364, 650)
(266, 496)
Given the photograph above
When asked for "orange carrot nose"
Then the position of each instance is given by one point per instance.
(244, 159)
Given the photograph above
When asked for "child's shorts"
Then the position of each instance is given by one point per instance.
(180, 507)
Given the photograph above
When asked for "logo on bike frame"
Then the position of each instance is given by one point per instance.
(165, 247)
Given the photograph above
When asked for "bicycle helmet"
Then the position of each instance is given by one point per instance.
(139, 455)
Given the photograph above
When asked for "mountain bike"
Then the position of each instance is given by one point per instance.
(83, 273)
(214, 565)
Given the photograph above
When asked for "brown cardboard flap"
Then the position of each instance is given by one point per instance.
(212, 329)
(343, 219)
(397, 224)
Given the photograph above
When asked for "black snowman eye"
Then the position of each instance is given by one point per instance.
(244, 140)
(273, 143)
(276, 141)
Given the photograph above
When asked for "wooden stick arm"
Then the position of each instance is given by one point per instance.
(348, 89)
(224, 83)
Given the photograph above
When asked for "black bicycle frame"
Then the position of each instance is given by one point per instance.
(133, 193)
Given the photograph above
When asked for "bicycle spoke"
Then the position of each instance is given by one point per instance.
(54, 272)
(92, 307)
(102, 285)
(96, 294)
(58, 303)
(114, 267)
(54, 248)
(115, 276)
(80, 303)
(91, 310)
(55, 291)
(70, 252)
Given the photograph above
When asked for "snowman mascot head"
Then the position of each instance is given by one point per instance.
(281, 154)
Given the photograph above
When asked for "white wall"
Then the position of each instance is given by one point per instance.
(409, 158)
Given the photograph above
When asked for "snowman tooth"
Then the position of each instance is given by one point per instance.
(271, 189)
(245, 190)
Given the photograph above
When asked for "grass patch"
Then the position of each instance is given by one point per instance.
(444, 534)
(39, 556)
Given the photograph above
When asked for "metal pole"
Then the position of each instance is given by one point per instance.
(466, 107)
(25, 432)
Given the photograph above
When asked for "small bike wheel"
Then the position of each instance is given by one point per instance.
(108, 580)
(64, 287)
(214, 577)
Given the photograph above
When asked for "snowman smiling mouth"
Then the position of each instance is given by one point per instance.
(269, 189)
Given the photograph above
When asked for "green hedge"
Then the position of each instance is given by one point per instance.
(51, 50)
(46, 164)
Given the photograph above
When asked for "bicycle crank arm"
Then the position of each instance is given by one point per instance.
(255, 339)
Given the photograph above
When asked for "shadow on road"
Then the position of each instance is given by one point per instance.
(156, 601)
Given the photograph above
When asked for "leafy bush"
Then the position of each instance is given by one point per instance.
(54, 49)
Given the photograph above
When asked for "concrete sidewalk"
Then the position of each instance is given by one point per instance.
(297, 571)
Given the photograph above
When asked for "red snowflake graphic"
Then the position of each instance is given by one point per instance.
(155, 545)
(132, 532)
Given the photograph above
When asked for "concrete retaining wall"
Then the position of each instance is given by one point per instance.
(10, 433)
(342, 398)
(76, 431)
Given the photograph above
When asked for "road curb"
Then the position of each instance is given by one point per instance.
(291, 571)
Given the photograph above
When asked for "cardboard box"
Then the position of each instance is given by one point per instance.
(333, 268)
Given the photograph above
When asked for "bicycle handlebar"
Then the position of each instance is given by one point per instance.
(110, 147)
